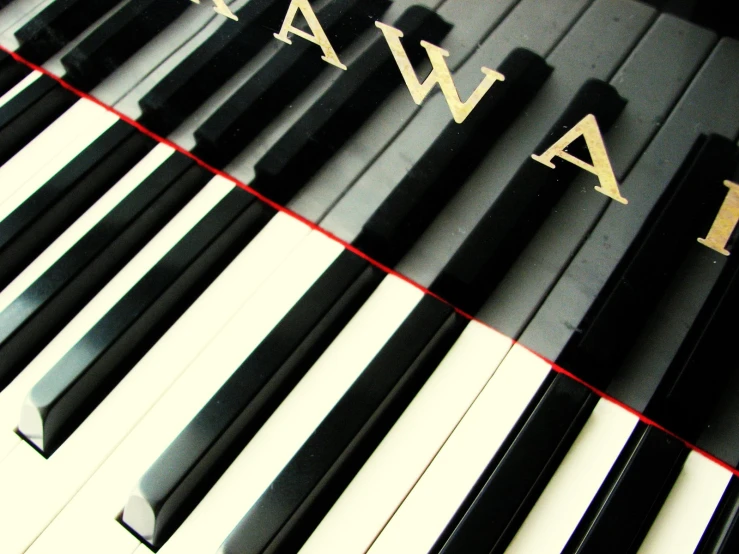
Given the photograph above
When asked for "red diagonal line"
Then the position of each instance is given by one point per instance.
(359, 253)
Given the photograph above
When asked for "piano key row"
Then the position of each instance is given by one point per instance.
(375, 315)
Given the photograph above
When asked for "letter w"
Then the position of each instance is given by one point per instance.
(440, 74)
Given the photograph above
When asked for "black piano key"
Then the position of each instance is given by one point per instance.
(517, 213)
(31, 321)
(286, 513)
(348, 103)
(25, 99)
(338, 113)
(11, 72)
(636, 286)
(56, 25)
(652, 65)
(719, 437)
(434, 178)
(210, 65)
(668, 363)
(511, 484)
(190, 465)
(280, 80)
(701, 109)
(722, 534)
(631, 496)
(36, 223)
(19, 132)
(77, 383)
(30, 112)
(117, 39)
(698, 375)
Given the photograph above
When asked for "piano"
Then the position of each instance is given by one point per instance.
(368, 276)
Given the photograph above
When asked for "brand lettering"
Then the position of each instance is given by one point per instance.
(440, 75)
(318, 37)
(725, 223)
(601, 166)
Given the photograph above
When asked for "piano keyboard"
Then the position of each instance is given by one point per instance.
(188, 367)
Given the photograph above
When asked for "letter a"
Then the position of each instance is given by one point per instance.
(440, 74)
(725, 222)
(221, 8)
(318, 37)
(587, 128)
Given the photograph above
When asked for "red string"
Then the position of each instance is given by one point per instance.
(348, 246)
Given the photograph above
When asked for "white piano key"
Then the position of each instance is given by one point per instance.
(89, 514)
(374, 495)
(565, 499)
(27, 81)
(445, 484)
(11, 398)
(688, 508)
(296, 418)
(51, 150)
(103, 533)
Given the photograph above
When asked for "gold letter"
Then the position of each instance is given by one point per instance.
(725, 223)
(439, 74)
(318, 37)
(588, 128)
(221, 8)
